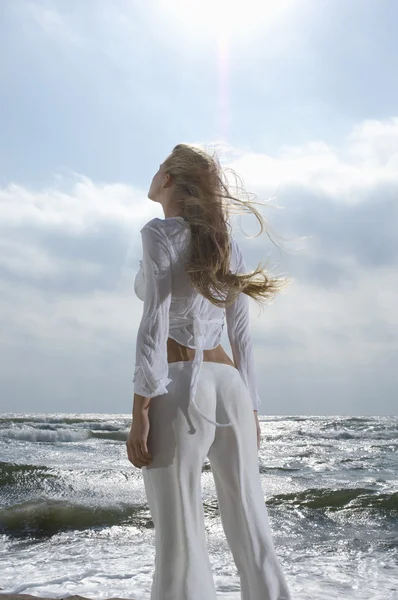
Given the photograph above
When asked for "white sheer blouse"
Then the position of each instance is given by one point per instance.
(172, 308)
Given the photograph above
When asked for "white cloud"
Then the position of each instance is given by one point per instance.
(375, 145)
(74, 209)
(368, 158)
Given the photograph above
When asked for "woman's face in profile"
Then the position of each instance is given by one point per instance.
(157, 184)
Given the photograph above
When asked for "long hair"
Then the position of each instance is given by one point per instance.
(206, 202)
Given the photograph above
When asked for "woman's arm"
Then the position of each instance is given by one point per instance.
(239, 333)
(151, 367)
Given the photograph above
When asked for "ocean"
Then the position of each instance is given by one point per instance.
(74, 517)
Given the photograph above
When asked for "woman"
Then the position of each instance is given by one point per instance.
(191, 401)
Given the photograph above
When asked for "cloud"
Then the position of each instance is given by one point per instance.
(342, 200)
(369, 157)
(69, 252)
(51, 236)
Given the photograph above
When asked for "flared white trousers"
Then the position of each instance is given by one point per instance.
(179, 441)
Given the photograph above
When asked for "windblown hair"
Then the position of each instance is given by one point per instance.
(206, 202)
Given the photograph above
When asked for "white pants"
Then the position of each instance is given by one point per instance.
(179, 441)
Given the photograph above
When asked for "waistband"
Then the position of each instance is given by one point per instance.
(198, 333)
(181, 364)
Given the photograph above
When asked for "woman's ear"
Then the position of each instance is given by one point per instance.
(168, 180)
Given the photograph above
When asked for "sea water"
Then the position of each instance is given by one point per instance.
(74, 517)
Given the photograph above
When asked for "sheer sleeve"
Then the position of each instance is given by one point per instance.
(151, 367)
(239, 333)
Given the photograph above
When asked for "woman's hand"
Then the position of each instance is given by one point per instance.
(137, 449)
(258, 429)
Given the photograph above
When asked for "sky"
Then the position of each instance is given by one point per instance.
(299, 97)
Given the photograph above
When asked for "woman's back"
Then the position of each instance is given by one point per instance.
(176, 307)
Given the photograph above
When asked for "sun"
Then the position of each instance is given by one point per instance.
(225, 17)
(216, 25)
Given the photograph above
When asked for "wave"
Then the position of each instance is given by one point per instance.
(352, 499)
(350, 422)
(33, 419)
(45, 517)
(33, 434)
(371, 433)
(43, 435)
(286, 469)
(23, 474)
(66, 429)
(106, 431)
(116, 436)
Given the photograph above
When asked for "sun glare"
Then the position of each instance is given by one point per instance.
(220, 21)
(224, 17)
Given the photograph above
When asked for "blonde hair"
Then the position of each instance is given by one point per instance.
(205, 202)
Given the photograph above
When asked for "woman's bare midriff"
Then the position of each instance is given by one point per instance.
(177, 352)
